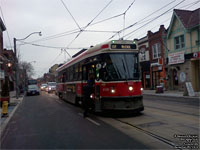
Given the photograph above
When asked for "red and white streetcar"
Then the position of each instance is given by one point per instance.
(117, 84)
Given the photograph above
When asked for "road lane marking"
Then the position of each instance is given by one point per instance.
(96, 123)
(58, 101)
(91, 120)
(80, 114)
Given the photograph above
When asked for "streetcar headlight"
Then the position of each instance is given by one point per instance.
(130, 88)
(141, 89)
(112, 91)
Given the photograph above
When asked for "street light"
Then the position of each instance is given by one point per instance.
(15, 51)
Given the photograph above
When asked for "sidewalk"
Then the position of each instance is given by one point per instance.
(14, 103)
(170, 94)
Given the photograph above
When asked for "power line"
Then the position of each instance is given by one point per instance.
(53, 47)
(189, 5)
(57, 57)
(74, 30)
(142, 19)
(57, 35)
(100, 31)
(153, 19)
(129, 7)
(89, 23)
(124, 15)
(70, 14)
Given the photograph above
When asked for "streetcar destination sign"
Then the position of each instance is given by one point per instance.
(123, 46)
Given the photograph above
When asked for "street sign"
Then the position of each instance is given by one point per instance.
(190, 89)
(182, 77)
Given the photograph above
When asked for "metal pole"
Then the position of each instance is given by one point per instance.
(16, 72)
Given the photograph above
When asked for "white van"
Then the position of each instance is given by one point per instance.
(33, 90)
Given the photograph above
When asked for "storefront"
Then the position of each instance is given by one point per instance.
(183, 68)
(158, 77)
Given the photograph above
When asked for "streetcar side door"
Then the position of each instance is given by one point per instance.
(88, 78)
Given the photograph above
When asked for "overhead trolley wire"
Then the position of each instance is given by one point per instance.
(142, 19)
(124, 15)
(74, 30)
(70, 14)
(189, 5)
(89, 23)
(153, 19)
(53, 47)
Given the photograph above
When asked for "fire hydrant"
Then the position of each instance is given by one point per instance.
(5, 109)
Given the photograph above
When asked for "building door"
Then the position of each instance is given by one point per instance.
(195, 74)
(147, 80)
(156, 78)
(173, 79)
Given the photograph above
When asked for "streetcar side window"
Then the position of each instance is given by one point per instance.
(67, 74)
(70, 73)
(64, 77)
(76, 72)
(80, 71)
(73, 73)
(84, 72)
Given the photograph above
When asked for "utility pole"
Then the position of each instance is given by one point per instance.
(15, 51)
(16, 72)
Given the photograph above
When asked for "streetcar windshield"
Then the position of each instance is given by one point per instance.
(121, 66)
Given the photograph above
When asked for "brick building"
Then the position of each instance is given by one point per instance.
(2, 58)
(156, 42)
(10, 70)
(152, 58)
(143, 47)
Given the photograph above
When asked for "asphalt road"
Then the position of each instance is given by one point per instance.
(182, 100)
(44, 122)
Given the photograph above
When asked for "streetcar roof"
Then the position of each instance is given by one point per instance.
(97, 49)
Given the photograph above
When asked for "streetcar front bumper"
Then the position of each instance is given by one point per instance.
(122, 103)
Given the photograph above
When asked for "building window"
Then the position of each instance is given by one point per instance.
(156, 50)
(179, 42)
(142, 54)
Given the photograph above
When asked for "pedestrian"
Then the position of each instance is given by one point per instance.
(87, 91)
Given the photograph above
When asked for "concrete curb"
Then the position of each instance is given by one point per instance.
(176, 96)
(5, 123)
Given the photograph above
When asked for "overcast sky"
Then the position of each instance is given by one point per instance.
(51, 17)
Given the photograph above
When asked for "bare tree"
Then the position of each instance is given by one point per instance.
(27, 67)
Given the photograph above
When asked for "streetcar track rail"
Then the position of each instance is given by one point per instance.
(164, 109)
(160, 138)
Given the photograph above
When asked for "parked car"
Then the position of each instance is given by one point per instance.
(43, 86)
(51, 87)
(33, 90)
